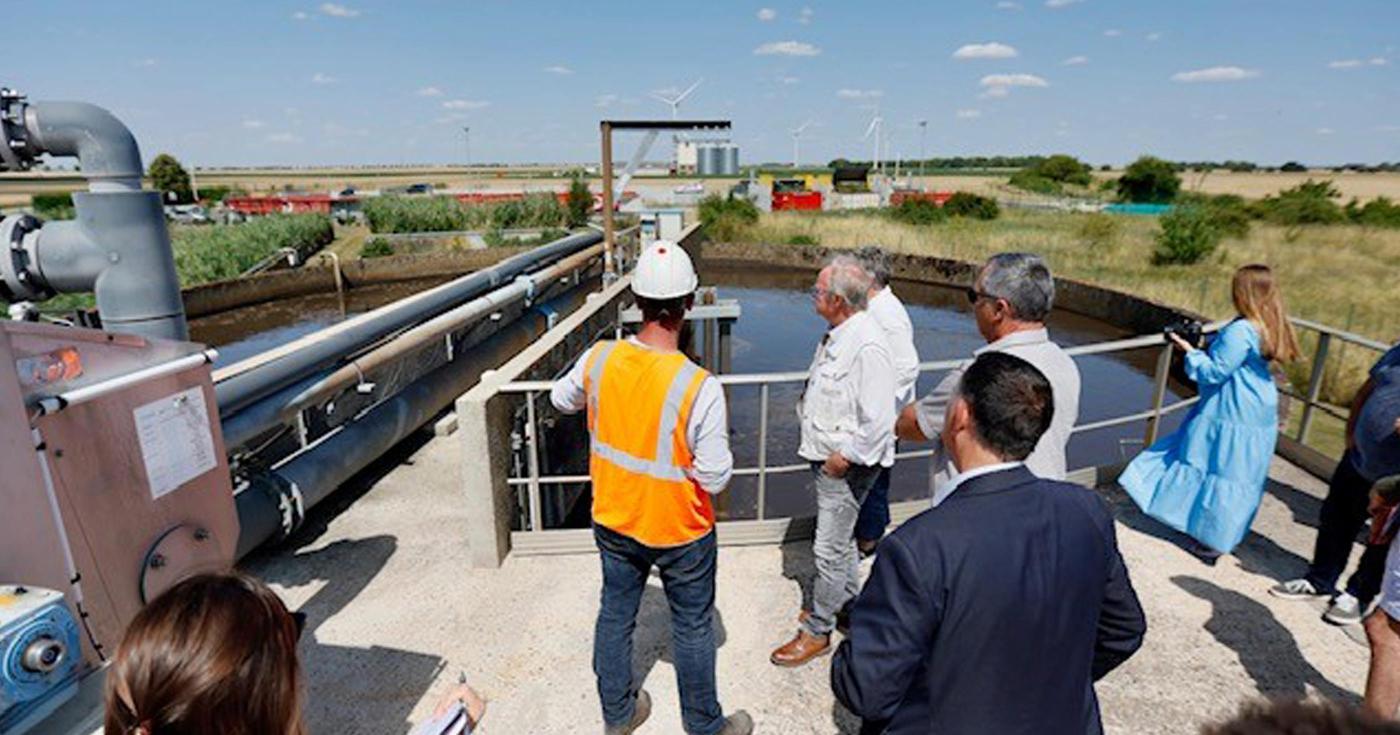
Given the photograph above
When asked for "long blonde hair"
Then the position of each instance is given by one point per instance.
(1257, 299)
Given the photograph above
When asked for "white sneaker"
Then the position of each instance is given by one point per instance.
(1296, 589)
(1344, 610)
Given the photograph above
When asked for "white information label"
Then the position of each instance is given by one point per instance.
(176, 443)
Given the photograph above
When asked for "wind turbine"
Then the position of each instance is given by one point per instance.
(796, 135)
(876, 124)
(675, 102)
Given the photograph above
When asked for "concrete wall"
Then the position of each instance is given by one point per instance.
(319, 277)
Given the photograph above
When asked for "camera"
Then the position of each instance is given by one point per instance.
(1187, 329)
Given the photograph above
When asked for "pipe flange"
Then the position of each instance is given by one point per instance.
(15, 153)
(18, 280)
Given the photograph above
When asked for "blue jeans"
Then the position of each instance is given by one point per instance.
(875, 509)
(688, 576)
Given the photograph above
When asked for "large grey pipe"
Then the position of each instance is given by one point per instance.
(274, 502)
(243, 389)
(118, 247)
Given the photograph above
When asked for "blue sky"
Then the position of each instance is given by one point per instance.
(374, 81)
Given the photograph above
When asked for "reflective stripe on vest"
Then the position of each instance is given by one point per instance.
(649, 498)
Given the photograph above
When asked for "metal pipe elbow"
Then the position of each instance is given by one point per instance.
(110, 158)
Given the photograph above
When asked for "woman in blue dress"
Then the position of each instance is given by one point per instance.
(1207, 479)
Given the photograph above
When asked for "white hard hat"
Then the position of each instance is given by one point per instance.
(664, 271)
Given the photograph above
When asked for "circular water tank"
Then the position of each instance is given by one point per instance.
(709, 160)
(731, 161)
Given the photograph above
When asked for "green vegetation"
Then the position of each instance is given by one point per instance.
(496, 239)
(1230, 213)
(171, 179)
(216, 194)
(1099, 230)
(53, 206)
(1188, 233)
(976, 206)
(376, 247)
(1309, 203)
(401, 214)
(580, 202)
(1149, 180)
(218, 252)
(725, 217)
(803, 239)
(918, 212)
(1379, 212)
(1051, 175)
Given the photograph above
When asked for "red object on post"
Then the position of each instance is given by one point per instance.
(797, 201)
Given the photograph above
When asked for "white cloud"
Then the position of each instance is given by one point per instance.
(1013, 80)
(1378, 61)
(788, 80)
(1061, 3)
(805, 16)
(1215, 74)
(1008, 5)
(1325, 131)
(991, 50)
(1112, 33)
(994, 92)
(319, 78)
(1154, 36)
(429, 92)
(559, 69)
(604, 100)
(1075, 61)
(282, 138)
(787, 48)
(145, 63)
(254, 124)
(300, 15)
(767, 14)
(859, 94)
(336, 10)
(1220, 116)
(1344, 64)
(465, 104)
(969, 114)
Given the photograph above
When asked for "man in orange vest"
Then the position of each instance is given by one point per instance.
(660, 448)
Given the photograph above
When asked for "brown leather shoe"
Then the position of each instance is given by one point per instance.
(802, 648)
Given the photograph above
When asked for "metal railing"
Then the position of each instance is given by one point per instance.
(532, 390)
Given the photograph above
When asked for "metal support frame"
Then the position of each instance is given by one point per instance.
(1159, 393)
(1324, 344)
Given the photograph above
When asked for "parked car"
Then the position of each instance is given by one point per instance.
(419, 189)
(187, 214)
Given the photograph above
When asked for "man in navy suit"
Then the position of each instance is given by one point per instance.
(996, 611)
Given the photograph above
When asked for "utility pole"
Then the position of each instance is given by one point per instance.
(609, 271)
(466, 129)
(923, 136)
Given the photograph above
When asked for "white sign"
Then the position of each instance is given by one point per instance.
(176, 443)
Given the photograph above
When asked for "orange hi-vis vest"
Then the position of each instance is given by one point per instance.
(639, 404)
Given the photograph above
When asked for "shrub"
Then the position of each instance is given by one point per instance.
(388, 214)
(216, 194)
(53, 206)
(726, 218)
(804, 240)
(967, 204)
(580, 203)
(1379, 212)
(1188, 234)
(1030, 181)
(376, 247)
(918, 212)
(1149, 180)
(218, 252)
(1098, 229)
(1230, 212)
(1293, 167)
(170, 179)
(1309, 203)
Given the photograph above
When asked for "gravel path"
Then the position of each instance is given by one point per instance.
(395, 614)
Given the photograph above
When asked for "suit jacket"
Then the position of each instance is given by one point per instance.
(992, 613)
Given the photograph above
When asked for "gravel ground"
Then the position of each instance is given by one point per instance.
(395, 614)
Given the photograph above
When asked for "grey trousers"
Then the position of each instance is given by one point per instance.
(838, 575)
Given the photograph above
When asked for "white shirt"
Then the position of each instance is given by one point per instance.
(893, 319)
(707, 431)
(847, 405)
(959, 478)
(1033, 346)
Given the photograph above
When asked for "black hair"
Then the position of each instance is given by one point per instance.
(1011, 402)
(667, 311)
(1286, 717)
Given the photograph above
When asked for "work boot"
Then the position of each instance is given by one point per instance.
(802, 648)
(738, 723)
(640, 712)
